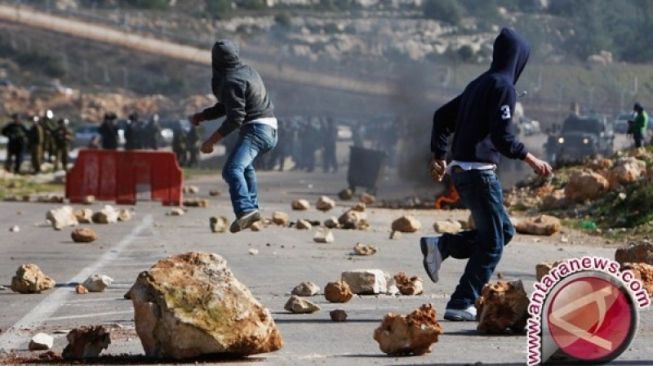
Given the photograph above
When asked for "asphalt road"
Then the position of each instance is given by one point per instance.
(286, 257)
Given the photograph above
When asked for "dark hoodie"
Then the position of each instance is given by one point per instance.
(240, 91)
(481, 117)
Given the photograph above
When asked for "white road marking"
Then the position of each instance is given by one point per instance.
(80, 316)
(11, 339)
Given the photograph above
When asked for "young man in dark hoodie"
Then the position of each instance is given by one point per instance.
(480, 120)
(243, 100)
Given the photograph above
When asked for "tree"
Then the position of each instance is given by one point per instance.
(448, 11)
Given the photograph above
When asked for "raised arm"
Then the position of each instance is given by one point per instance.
(444, 124)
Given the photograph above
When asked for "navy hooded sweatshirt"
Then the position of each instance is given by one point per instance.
(481, 117)
(242, 96)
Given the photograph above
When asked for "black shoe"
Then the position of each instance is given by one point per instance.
(245, 221)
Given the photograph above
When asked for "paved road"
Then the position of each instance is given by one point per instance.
(286, 257)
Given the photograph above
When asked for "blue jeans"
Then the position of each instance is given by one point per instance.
(480, 191)
(254, 139)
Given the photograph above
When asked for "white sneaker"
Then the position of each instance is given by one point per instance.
(457, 315)
(430, 246)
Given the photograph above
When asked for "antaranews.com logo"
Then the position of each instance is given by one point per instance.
(585, 310)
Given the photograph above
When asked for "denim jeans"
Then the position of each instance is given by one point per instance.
(254, 139)
(480, 191)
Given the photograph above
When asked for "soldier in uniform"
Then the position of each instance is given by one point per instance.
(193, 143)
(49, 128)
(179, 144)
(109, 132)
(152, 132)
(36, 141)
(131, 132)
(63, 137)
(16, 132)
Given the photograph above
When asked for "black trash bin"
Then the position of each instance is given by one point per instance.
(365, 167)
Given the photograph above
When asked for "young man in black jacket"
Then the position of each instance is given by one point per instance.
(481, 122)
(243, 100)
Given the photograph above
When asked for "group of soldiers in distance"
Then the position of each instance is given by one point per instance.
(308, 141)
(146, 135)
(44, 137)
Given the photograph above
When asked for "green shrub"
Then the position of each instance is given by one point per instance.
(150, 4)
(283, 19)
(219, 8)
(448, 11)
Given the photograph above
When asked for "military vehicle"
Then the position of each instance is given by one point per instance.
(580, 137)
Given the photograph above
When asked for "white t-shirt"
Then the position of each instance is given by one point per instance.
(269, 121)
(470, 165)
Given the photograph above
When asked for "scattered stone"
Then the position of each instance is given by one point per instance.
(14, 229)
(643, 272)
(300, 205)
(365, 281)
(297, 305)
(83, 235)
(256, 226)
(303, 225)
(107, 215)
(323, 236)
(554, 200)
(191, 190)
(325, 204)
(585, 185)
(219, 224)
(338, 315)
(176, 211)
(61, 217)
(540, 225)
(280, 218)
(97, 282)
(50, 198)
(49, 356)
(88, 200)
(352, 220)
(191, 304)
(391, 288)
(80, 289)
(364, 249)
(367, 199)
(447, 226)
(306, 289)
(408, 335)
(502, 307)
(29, 279)
(635, 253)
(408, 285)
(84, 215)
(395, 235)
(86, 342)
(406, 224)
(543, 269)
(41, 342)
(346, 194)
(626, 170)
(214, 193)
(338, 292)
(359, 207)
(332, 223)
(253, 251)
(124, 215)
(196, 202)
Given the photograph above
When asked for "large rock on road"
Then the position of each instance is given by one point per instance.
(191, 304)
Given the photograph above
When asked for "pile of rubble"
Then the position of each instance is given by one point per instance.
(599, 190)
